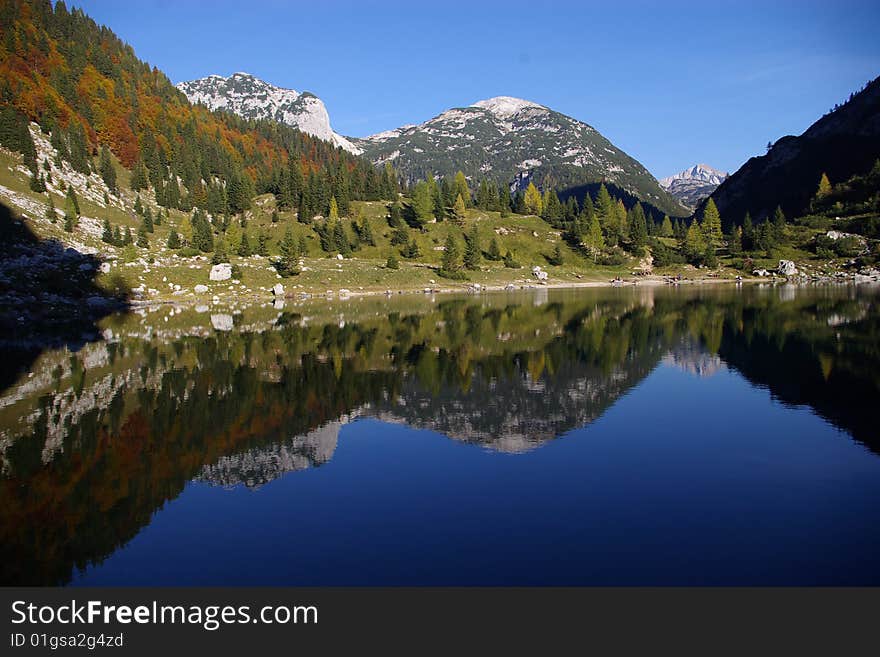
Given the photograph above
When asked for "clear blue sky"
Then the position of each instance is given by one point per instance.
(672, 83)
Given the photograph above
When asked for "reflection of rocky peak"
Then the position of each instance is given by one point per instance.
(517, 413)
(692, 358)
(256, 467)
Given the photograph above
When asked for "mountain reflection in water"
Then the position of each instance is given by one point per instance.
(94, 443)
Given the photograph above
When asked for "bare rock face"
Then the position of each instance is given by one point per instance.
(221, 272)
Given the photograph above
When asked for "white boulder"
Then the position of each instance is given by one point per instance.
(787, 268)
(200, 289)
(222, 322)
(278, 290)
(221, 272)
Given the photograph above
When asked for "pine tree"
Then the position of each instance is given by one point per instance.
(127, 238)
(107, 233)
(50, 214)
(289, 263)
(138, 206)
(108, 173)
(244, 246)
(275, 216)
(366, 232)
(341, 239)
(748, 233)
(422, 203)
(392, 262)
(173, 240)
(510, 262)
(148, 220)
(472, 253)
(594, 240)
(262, 244)
(220, 252)
(68, 222)
(666, 227)
(302, 247)
(532, 201)
(458, 210)
(494, 252)
(142, 239)
(412, 250)
(712, 224)
(695, 242)
(234, 236)
(824, 187)
(778, 225)
(334, 210)
(451, 262)
(638, 229)
(556, 259)
(460, 188)
(734, 242)
(71, 207)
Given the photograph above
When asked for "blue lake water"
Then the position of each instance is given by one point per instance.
(614, 437)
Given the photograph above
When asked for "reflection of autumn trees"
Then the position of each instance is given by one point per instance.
(188, 402)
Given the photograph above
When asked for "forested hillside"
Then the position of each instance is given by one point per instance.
(87, 88)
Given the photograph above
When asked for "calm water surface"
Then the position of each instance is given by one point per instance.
(607, 436)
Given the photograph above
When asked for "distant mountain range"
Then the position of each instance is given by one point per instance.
(694, 184)
(844, 142)
(252, 98)
(507, 139)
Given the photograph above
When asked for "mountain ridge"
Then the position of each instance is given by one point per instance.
(248, 96)
(693, 184)
(515, 141)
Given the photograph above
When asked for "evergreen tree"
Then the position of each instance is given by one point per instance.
(532, 200)
(366, 232)
(392, 262)
(289, 263)
(666, 227)
(138, 206)
(142, 239)
(472, 252)
(510, 262)
(824, 187)
(557, 258)
(262, 244)
(173, 240)
(494, 252)
(334, 210)
(594, 240)
(734, 241)
(117, 236)
(108, 173)
(302, 247)
(451, 262)
(127, 238)
(458, 210)
(50, 214)
(148, 220)
(341, 239)
(412, 250)
(638, 230)
(695, 242)
(220, 252)
(712, 224)
(71, 203)
(244, 246)
(139, 177)
(748, 233)
(68, 222)
(234, 236)
(107, 233)
(778, 225)
(275, 217)
(460, 188)
(422, 203)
